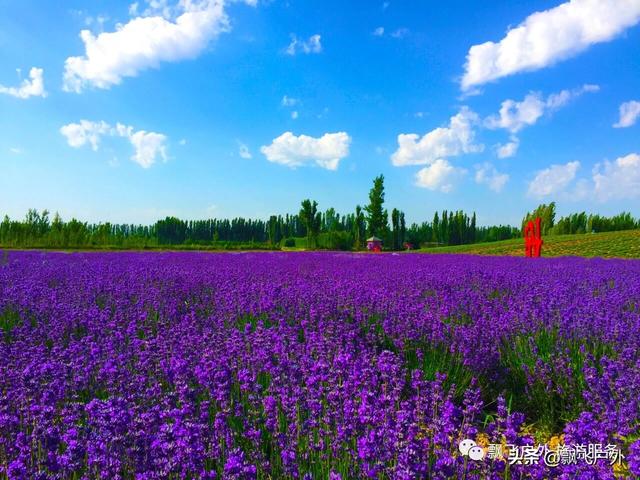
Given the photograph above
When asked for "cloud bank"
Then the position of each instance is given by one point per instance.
(547, 37)
(303, 150)
(145, 42)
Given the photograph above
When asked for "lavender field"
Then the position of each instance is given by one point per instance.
(313, 365)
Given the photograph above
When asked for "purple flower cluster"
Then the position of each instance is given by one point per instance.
(312, 365)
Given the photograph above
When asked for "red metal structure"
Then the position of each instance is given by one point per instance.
(533, 238)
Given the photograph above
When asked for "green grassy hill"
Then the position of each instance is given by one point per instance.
(610, 244)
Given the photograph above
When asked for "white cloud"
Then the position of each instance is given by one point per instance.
(619, 179)
(312, 45)
(443, 142)
(629, 113)
(143, 43)
(16, 150)
(378, 32)
(31, 87)
(547, 37)
(295, 151)
(560, 99)
(289, 101)
(79, 134)
(243, 151)
(148, 146)
(508, 149)
(294, 115)
(486, 174)
(553, 180)
(440, 175)
(157, 7)
(183, 142)
(514, 116)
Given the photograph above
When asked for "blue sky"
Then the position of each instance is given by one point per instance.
(205, 108)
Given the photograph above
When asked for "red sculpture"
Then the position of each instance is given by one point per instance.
(533, 238)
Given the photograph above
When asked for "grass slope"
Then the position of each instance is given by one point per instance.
(609, 244)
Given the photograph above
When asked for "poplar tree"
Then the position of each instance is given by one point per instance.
(377, 216)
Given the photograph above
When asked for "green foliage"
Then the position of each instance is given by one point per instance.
(312, 221)
(325, 230)
(544, 375)
(433, 359)
(377, 217)
(455, 228)
(9, 320)
(581, 223)
(399, 229)
(359, 228)
(546, 212)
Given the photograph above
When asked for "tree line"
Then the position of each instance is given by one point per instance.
(578, 223)
(309, 228)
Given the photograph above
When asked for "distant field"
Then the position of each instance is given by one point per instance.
(625, 244)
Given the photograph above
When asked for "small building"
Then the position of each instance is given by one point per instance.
(374, 244)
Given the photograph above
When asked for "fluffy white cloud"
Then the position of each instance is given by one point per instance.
(148, 146)
(378, 32)
(295, 114)
(553, 180)
(629, 113)
(312, 45)
(619, 179)
(547, 37)
(443, 142)
(486, 174)
(31, 87)
(145, 42)
(440, 175)
(295, 151)
(514, 116)
(243, 151)
(508, 149)
(79, 134)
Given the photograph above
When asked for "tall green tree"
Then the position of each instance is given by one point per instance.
(312, 220)
(359, 228)
(435, 235)
(377, 216)
(395, 225)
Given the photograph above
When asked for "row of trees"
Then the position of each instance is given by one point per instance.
(316, 229)
(38, 230)
(577, 223)
(457, 228)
